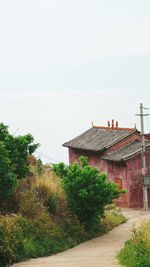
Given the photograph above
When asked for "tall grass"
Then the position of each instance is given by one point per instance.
(136, 252)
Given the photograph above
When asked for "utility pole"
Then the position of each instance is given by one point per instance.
(145, 198)
(143, 157)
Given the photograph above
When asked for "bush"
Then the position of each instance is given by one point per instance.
(113, 218)
(49, 192)
(136, 252)
(52, 203)
(11, 241)
(30, 207)
(87, 190)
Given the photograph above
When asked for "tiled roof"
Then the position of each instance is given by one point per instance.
(127, 152)
(99, 138)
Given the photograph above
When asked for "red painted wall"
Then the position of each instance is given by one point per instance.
(130, 174)
(113, 170)
(135, 181)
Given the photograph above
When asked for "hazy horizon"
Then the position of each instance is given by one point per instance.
(56, 117)
(67, 63)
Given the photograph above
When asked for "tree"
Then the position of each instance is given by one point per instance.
(87, 191)
(14, 152)
(18, 149)
(8, 179)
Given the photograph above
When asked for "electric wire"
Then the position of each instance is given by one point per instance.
(39, 153)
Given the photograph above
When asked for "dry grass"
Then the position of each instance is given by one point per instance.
(50, 182)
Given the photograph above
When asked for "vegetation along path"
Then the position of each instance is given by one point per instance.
(100, 251)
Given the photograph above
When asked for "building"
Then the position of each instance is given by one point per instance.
(116, 151)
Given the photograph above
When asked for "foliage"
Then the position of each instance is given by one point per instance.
(87, 190)
(29, 206)
(11, 241)
(35, 233)
(24, 237)
(39, 168)
(49, 192)
(60, 169)
(8, 179)
(44, 224)
(18, 149)
(52, 203)
(136, 251)
(113, 218)
(14, 153)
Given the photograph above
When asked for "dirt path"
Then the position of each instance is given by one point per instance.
(98, 252)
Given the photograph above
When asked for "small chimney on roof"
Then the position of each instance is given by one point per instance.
(116, 124)
(108, 123)
(112, 126)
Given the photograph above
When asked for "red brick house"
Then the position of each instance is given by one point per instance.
(116, 151)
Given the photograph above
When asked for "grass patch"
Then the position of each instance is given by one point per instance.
(35, 236)
(136, 252)
(113, 217)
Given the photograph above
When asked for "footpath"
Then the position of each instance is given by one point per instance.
(98, 252)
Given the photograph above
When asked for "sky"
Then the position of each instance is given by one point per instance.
(64, 64)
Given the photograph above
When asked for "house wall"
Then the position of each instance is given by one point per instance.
(135, 181)
(130, 175)
(113, 170)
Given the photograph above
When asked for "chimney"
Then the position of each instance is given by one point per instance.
(112, 126)
(108, 123)
(116, 124)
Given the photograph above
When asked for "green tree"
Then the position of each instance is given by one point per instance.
(14, 152)
(87, 191)
(7, 177)
(18, 149)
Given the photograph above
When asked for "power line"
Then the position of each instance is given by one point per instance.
(37, 152)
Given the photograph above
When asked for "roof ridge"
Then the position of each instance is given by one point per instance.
(114, 128)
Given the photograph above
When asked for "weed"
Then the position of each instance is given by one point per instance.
(136, 251)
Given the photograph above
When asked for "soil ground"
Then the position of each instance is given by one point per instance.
(98, 252)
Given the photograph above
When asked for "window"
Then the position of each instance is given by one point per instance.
(118, 181)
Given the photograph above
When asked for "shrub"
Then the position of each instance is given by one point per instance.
(11, 241)
(39, 168)
(136, 251)
(49, 191)
(52, 203)
(73, 229)
(87, 190)
(113, 218)
(29, 206)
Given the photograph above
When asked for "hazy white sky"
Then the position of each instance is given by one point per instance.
(54, 118)
(72, 50)
(38, 34)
